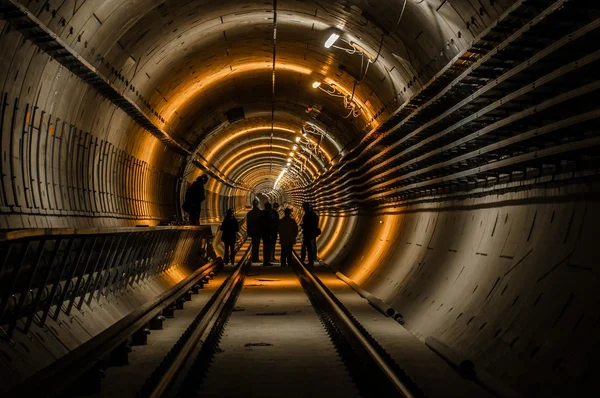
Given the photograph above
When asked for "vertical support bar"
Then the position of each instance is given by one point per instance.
(56, 284)
(42, 285)
(13, 277)
(118, 255)
(109, 258)
(156, 255)
(80, 277)
(68, 280)
(149, 256)
(123, 268)
(133, 263)
(93, 274)
(25, 291)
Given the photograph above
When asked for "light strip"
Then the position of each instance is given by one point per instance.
(332, 39)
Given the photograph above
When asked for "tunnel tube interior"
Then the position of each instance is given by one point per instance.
(496, 260)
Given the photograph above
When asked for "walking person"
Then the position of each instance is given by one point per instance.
(288, 232)
(230, 228)
(253, 220)
(269, 228)
(274, 236)
(310, 231)
(194, 196)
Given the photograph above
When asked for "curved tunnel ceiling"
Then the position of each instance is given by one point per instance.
(468, 177)
(232, 79)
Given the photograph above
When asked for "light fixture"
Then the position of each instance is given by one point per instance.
(298, 139)
(292, 154)
(332, 39)
(295, 147)
(353, 47)
(289, 160)
(316, 84)
(349, 103)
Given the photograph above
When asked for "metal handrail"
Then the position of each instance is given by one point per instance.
(10, 235)
(65, 371)
(47, 272)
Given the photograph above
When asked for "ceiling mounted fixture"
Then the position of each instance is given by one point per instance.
(354, 48)
(332, 39)
(349, 102)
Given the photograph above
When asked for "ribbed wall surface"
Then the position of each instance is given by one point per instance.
(508, 280)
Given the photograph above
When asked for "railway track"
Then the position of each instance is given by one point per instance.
(337, 356)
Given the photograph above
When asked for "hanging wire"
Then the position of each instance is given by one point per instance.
(392, 32)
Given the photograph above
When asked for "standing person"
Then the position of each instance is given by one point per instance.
(194, 196)
(253, 220)
(310, 230)
(288, 231)
(230, 228)
(269, 228)
(274, 236)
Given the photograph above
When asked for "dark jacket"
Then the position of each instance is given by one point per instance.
(253, 222)
(310, 225)
(230, 227)
(288, 231)
(194, 196)
(269, 223)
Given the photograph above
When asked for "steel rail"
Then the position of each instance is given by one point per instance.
(193, 335)
(63, 373)
(350, 325)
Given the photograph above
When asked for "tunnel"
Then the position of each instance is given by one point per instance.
(448, 147)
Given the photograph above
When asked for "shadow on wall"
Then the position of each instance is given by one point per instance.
(508, 281)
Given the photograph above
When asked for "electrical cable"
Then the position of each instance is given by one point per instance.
(392, 32)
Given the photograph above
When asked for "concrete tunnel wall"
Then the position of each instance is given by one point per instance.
(506, 280)
(70, 157)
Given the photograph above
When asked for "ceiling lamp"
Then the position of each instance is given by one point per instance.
(332, 39)
(316, 84)
(298, 139)
(295, 147)
(353, 48)
(349, 103)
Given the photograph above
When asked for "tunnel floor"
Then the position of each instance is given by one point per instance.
(274, 344)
